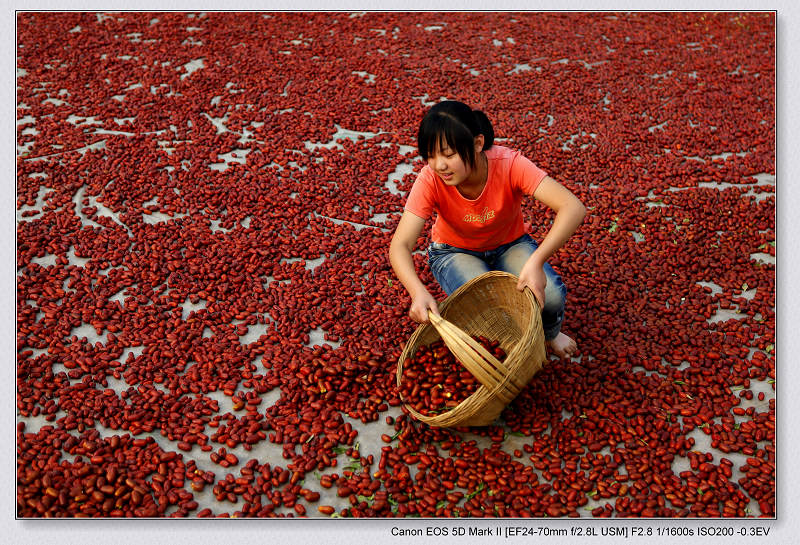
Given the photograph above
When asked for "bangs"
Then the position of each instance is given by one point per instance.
(441, 130)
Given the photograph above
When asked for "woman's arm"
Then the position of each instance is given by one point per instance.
(569, 215)
(403, 243)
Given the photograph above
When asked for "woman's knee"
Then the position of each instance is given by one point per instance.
(455, 269)
(554, 298)
(555, 292)
(514, 258)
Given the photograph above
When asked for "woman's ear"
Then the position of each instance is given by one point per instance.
(479, 141)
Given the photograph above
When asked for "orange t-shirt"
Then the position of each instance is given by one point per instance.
(485, 223)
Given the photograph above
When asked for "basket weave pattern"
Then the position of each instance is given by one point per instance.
(488, 305)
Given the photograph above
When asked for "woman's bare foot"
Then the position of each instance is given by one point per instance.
(562, 346)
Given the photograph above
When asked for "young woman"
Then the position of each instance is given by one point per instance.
(477, 188)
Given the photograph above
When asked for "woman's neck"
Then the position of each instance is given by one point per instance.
(472, 187)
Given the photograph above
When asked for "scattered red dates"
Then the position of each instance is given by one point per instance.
(434, 381)
(201, 257)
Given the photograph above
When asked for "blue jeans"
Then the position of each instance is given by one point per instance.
(453, 267)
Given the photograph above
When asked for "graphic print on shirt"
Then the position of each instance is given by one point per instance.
(483, 217)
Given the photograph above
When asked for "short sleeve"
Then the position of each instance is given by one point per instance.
(525, 176)
(421, 200)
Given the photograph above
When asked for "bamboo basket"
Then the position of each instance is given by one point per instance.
(488, 305)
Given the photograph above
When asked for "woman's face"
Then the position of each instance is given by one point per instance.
(449, 165)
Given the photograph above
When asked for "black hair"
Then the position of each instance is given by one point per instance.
(455, 124)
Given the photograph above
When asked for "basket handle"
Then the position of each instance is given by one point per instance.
(535, 299)
(480, 362)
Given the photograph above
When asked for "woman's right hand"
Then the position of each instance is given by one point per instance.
(420, 306)
(403, 241)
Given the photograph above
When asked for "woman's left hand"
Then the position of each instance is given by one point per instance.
(569, 214)
(532, 276)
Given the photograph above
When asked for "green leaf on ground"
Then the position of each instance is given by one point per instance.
(477, 491)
